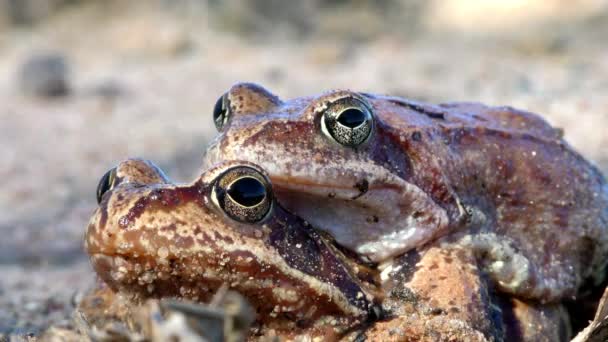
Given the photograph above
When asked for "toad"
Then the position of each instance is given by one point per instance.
(385, 175)
(153, 238)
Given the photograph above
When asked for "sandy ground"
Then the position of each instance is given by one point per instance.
(144, 82)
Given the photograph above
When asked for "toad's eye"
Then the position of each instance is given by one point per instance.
(348, 121)
(244, 194)
(106, 183)
(221, 112)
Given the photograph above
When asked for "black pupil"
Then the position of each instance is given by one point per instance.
(218, 110)
(351, 118)
(247, 191)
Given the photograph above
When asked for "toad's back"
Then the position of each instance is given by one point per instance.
(528, 197)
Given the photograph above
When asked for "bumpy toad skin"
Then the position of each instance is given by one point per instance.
(152, 238)
(439, 294)
(496, 180)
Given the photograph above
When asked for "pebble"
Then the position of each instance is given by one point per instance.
(33, 306)
(45, 75)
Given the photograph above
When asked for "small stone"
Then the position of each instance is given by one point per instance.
(108, 89)
(33, 306)
(45, 75)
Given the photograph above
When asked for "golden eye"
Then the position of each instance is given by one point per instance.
(348, 121)
(106, 183)
(221, 112)
(244, 194)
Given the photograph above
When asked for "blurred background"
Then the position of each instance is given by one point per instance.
(85, 83)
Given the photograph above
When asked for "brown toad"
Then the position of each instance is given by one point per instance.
(153, 238)
(384, 175)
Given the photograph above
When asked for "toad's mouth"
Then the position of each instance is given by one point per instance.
(331, 189)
